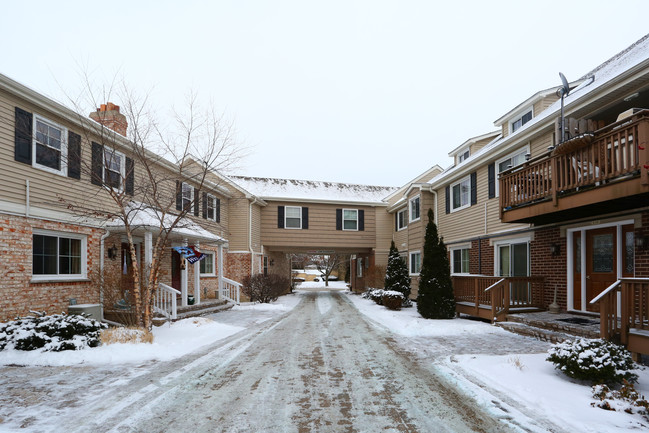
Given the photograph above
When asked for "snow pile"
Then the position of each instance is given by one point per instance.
(50, 333)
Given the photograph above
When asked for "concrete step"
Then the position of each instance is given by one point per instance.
(532, 331)
(552, 323)
(203, 309)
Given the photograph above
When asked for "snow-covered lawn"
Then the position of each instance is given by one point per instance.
(170, 341)
(519, 382)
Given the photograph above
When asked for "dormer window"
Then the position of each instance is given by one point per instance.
(517, 123)
(463, 156)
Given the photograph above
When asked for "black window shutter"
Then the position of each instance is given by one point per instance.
(130, 176)
(205, 205)
(179, 195)
(339, 219)
(218, 210)
(305, 218)
(474, 188)
(97, 164)
(23, 136)
(74, 155)
(361, 220)
(396, 221)
(280, 217)
(492, 180)
(196, 202)
(448, 199)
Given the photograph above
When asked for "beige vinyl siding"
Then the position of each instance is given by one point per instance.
(540, 145)
(321, 233)
(480, 144)
(384, 229)
(544, 103)
(238, 224)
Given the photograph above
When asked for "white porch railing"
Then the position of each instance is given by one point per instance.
(164, 301)
(230, 290)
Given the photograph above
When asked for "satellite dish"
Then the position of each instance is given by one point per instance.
(566, 88)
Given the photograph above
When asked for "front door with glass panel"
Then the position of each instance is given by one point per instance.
(601, 262)
(514, 262)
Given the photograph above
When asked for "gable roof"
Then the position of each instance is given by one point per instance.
(314, 191)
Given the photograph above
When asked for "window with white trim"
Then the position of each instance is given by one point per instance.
(350, 219)
(58, 255)
(461, 194)
(520, 121)
(402, 220)
(414, 205)
(187, 196)
(293, 217)
(207, 264)
(211, 207)
(50, 148)
(461, 157)
(415, 262)
(460, 261)
(114, 168)
(511, 160)
(512, 258)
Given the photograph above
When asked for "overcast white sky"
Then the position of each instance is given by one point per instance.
(358, 91)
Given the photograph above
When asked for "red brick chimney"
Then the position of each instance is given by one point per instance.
(109, 116)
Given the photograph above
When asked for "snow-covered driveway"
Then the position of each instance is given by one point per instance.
(320, 368)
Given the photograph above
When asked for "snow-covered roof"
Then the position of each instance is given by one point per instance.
(291, 189)
(148, 218)
(620, 64)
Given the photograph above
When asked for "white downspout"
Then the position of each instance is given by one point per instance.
(27, 205)
(435, 204)
(101, 270)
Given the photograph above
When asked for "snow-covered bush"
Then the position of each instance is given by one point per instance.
(376, 295)
(627, 399)
(265, 288)
(594, 360)
(392, 299)
(52, 333)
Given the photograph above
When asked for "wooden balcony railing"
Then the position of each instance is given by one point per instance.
(624, 313)
(615, 152)
(493, 298)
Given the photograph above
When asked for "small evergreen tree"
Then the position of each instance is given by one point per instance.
(435, 299)
(396, 274)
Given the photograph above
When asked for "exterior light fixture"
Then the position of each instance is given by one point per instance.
(642, 242)
(555, 249)
(112, 252)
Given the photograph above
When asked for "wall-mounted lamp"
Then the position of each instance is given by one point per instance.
(528, 156)
(112, 252)
(642, 242)
(272, 262)
(555, 249)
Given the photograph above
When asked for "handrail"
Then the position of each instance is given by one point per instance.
(494, 284)
(606, 291)
(165, 301)
(169, 288)
(230, 290)
(236, 283)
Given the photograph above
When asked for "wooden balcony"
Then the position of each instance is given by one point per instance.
(609, 166)
(492, 298)
(624, 314)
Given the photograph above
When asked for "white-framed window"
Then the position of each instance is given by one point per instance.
(350, 219)
(460, 260)
(414, 205)
(207, 264)
(461, 194)
(359, 267)
(211, 207)
(187, 197)
(461, 157)
(512, 257)
(49, 146)
(402, 219)
(114, 168)
(520, 121)
(509, 161)
(293, 217)
(58, 256)
(415, 262)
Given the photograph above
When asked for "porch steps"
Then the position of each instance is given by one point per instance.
(548, 327)
(211, 306)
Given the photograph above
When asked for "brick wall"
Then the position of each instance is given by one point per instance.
(552, 267)
(17, 294)
(481, 257)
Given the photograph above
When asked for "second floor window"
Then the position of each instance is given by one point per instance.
(113, 168)
(50, 150)
(402, 221)
(350, 219)
(414, 209)
(460, 194)
(293, 217)
(211, 207)
(463, 156)
(516, 124)
(187, 197)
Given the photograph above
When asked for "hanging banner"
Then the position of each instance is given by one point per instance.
(191, 253)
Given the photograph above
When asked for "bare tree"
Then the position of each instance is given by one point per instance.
(141, 172)
(326, 263)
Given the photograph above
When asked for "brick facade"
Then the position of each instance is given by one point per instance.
(552, 267)
(19, 294)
